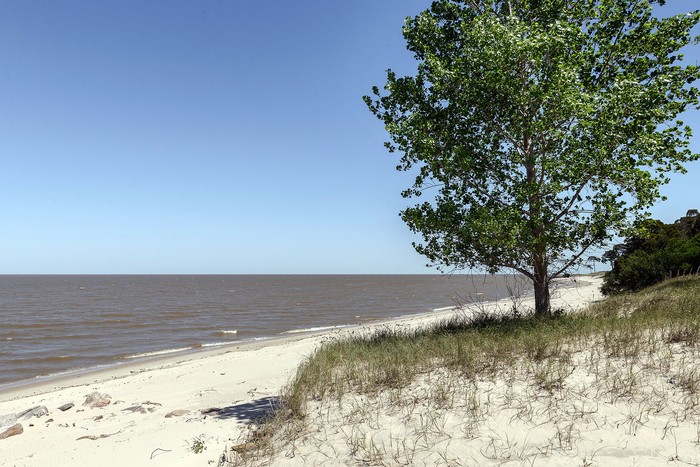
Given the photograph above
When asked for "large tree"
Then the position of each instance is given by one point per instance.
(544, 127)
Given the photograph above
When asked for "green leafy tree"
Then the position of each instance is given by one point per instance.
(545, 127)
(653, 252)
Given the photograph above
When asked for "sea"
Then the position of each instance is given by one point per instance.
(53, 325)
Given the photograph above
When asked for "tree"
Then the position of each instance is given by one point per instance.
(545, 127)
(654, 252)
(590, 262)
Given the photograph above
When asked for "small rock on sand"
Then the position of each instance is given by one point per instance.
(211, 411)
(177, 413)
(67, 406)
(97, 399)
(134, 409)
(38, 411)
(7, 421)
(15, 429)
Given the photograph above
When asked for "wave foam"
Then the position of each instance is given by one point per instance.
(215, 344)
(159, 352)
(320, 328)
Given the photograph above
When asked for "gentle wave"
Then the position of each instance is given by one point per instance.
(319, 328)
(48, 325)
(447, 308)
(159, 352)
(216, 344)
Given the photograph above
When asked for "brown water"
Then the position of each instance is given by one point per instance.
(54, 324)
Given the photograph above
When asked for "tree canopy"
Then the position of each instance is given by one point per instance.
(540, 128)
(654, 252)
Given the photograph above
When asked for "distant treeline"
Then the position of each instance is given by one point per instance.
(659, 251)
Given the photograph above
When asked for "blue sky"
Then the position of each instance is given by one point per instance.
(208, 137)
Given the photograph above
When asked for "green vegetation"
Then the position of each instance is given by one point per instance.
(536, 123)
(656, 252)
(198, 444)
(641, 349)
(484, 345)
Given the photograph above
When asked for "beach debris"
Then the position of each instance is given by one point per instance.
(93, 437)
(134, 409)
(13, 430)
(211, 411)
(38, 411)
(67, 406)
(97, 399)
(159, 450)
(98, 418)
(49, 420)
(96, 437)
(177, 413)
(153, 403)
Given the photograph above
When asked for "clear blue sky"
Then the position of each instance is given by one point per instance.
(208, 137)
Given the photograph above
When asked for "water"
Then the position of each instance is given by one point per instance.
(53, 324)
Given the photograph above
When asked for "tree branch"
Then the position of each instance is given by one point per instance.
(572, 260)
(573, 199)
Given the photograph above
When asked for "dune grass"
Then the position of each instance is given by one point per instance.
(623, 343)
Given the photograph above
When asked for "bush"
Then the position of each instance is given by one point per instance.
(658, 251)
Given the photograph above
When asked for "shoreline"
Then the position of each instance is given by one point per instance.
(215, 391)
(97, 321)
(166, 357)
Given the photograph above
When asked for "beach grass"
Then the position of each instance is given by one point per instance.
(454, 379)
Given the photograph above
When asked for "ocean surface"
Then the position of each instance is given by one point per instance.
(53, 324)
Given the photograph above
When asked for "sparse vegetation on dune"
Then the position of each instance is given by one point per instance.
(570, 390)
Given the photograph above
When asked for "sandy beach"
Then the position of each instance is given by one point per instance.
(180, 410)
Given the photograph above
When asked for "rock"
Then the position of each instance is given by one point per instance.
(49, 420)
(177, 413)
(211, 411)
(38, 411)
(67, 406)
(98, 418)
(97, 399)
(153, 403)
(15, 429)
(134, 409)
(6, 421)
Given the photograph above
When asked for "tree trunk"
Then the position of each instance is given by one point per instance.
(542, 303)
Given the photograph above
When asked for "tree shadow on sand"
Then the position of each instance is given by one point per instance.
(248, 412)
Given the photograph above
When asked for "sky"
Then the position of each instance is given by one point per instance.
(210, 137)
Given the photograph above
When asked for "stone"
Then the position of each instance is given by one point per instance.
(38, 411)
(211, 411)
(6, 421)
(134, 409)
(67, 406)
(97, 399)
(15, 429)
(177, 413)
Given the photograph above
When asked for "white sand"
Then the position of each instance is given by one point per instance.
(242, 380)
